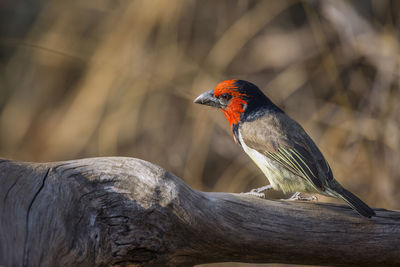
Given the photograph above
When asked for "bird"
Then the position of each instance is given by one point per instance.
(277, 144)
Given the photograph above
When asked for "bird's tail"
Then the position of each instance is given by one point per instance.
(352, 200)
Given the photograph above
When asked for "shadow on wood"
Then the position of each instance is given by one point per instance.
(103, 211)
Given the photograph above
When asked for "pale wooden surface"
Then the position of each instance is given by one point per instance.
(102, 211)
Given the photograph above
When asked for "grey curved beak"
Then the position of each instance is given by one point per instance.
(208, 99)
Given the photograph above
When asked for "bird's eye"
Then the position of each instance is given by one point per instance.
(225, 96)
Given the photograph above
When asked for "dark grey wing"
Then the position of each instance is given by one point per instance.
(283, 140)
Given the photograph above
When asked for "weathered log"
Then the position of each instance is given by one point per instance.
(104, 211)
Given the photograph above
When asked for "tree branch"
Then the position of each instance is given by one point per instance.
(103, 211)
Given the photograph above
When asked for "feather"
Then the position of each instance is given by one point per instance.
(281, 139)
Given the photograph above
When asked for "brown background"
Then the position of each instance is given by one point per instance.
(117, 77)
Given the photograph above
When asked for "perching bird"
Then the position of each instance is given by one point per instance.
(276, 143)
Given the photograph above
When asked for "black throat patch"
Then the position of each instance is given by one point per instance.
(235, 131)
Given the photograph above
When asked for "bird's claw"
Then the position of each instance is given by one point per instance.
(298, 196)
(258, 192)
(254, 193)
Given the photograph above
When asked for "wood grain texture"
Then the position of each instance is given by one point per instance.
(104, 211)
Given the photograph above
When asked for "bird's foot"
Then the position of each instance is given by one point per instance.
(260, 195)
(298, 196)
(258, 192)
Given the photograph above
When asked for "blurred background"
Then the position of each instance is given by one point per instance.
(117, 78)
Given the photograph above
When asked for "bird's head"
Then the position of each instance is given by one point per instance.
(237, 99)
